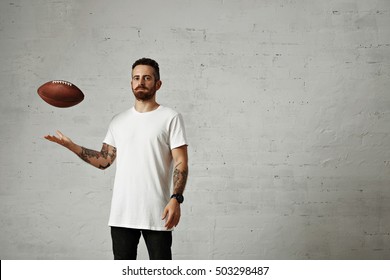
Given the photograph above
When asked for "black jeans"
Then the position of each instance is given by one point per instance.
(125, 243)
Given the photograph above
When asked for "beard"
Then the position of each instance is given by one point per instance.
(143, 93)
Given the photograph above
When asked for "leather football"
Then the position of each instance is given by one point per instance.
(60, 93)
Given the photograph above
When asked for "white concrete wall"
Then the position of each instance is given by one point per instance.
(287, 106)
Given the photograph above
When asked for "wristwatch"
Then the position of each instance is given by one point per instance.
(179, 197)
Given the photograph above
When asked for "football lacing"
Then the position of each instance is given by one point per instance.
(62, 82)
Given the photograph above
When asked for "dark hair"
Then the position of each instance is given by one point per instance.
(149, 62)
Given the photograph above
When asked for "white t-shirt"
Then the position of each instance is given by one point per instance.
(143, 165)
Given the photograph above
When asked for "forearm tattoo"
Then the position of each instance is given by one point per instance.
(92, 156)
(179, 179)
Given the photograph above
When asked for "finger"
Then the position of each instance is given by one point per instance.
(169, 223)
(164, 215)
(169, 226)
(60, 135)
(174, 220)
(50, 138)
(53, 139)
(168, 220)
(177, 221)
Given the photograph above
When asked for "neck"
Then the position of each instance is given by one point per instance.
(145, 106)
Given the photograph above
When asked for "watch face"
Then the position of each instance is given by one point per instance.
(179, 197)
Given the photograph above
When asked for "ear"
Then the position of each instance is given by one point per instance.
(158, 84)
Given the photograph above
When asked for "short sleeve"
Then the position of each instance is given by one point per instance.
(177, 133)
(109, 139)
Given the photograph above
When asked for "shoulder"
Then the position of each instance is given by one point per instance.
(169, 112)
(121, 116)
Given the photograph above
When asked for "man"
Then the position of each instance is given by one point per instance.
(147, 140)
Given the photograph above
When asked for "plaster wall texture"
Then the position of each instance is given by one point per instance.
(287, 110)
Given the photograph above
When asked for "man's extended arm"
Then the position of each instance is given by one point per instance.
(180, 173)
(101, 160)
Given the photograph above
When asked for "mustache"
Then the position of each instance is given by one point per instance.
(141, 87)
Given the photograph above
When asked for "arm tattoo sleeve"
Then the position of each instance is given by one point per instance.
(87, 154)
(101, 160)
(179, 179)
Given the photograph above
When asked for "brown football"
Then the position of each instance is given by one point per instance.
(60, 93)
